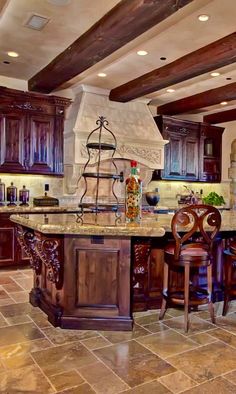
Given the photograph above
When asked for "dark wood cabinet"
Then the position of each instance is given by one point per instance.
(182, 151)
(10, 251)
(210, 153)
(193, 152)
(31, 132)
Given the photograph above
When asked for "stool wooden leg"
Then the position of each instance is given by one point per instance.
(227, 273)
(209, 289)
(165, 291)
(186, 297)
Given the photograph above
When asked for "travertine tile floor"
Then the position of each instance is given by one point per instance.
(156, 358)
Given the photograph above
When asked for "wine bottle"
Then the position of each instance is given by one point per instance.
(133, 195)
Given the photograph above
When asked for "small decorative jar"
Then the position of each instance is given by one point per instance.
(11, 195)
(24, 196)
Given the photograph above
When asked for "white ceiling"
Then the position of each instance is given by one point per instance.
(176, 36)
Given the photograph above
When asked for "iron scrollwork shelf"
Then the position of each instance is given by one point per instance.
(99, 146)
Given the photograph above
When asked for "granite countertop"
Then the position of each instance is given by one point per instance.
(32, 209)
(105, 224)
(152, 225)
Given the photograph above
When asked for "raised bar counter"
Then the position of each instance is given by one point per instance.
(92, 275)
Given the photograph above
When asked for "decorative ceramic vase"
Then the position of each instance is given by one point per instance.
(153, 197)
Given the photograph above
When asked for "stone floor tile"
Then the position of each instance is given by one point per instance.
(20, 296)
(12, 287)
(133, 363)
(3, 294)
(5, 279)
(6, 301)
(19, 333)
(60, 337)
(227, 322)
(175, 312)
(177, 382)
(95, 343)
(18, 319)
(167, 343)
(218, 385)
(84, 388)
(102, 379)
(41, 320)
(153, 387)
(224, 336)
(66, 380)
(147, 319)
(156, 327)
(25, 283)
(63, 358)
(3, 322)
(231, 376)
(25, 380)
(122, 336)
(203, 338)
(17, 309)
(20, 349)
(196, 325)
(204, 363)
(18, 361)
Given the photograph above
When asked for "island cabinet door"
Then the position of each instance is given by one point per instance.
(97, 283)
(8, 245)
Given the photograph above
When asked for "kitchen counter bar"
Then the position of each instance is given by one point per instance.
(92, 275)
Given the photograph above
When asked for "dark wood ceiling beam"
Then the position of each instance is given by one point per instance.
(126, 21)
(208, 58)
(221, 117)
(200, 100)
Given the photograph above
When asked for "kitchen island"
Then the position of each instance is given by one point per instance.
(89, 275)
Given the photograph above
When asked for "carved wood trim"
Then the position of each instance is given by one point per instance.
(48, 251)
(26, 239)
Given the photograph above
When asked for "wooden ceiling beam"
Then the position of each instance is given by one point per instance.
(200, 100)
(221, 117)
(208, 58)
(126, 21)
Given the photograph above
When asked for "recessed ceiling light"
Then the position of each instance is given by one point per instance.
(102, 75)
(162, 58)
(142, 53)
(228, 78)
(215, 74)
(6, 62)
(223, 103)
(203, 18)
(170, 90)
(36, 22)
(13, 54)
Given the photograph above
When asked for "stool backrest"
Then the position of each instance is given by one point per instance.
(193, 225)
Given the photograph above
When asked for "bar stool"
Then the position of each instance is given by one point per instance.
(228, 268)
(194, 228)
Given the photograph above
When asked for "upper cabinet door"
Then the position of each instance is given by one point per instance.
(12, 149)
(173, 168)
(191, 156)
(40, 144)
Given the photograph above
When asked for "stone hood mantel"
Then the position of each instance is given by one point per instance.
(132, 123)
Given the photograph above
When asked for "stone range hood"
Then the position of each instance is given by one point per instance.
(132, 123)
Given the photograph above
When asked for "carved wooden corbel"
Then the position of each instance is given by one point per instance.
(26, 239)
(48, 251)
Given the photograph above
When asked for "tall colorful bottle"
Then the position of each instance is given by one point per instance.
(133, 195)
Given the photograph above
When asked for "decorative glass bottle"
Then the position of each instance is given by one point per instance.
(2, 192)
(11, 195)
(24, 196)
(133, 195)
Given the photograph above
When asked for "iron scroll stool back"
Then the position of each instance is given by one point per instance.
(194, 229)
